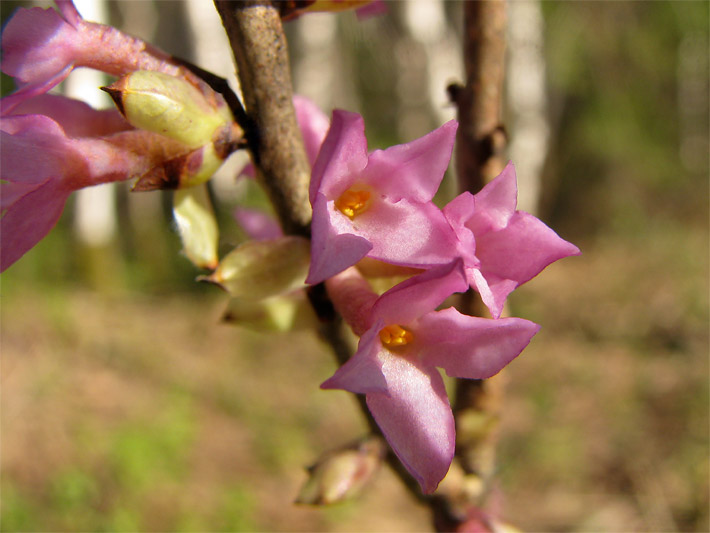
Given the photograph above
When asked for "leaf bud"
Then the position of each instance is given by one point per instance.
(170, 106)
(259, 269)
(197, 226)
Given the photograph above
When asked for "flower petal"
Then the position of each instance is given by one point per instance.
(29, 219)
(413, 170)
(342, 156)
(37, 44)
(471, 347)
(331, 250)
(406, 233)
(362, 373)
(416, 296)
(313, 124)
(33, 149)
(11, 101)
(495, 204)
(457, 212)
(493, 289)
(75, 117)
(257, 224)
(521, 250)
(415, 418)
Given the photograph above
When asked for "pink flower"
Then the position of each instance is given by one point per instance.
(402, 342)
(378, 205)
(313, 124)
(45, 158)
(501, 248)
(41, 47)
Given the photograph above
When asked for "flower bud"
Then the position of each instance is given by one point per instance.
(342, 474)
(197, 226)
(259, 269)
(170, 106)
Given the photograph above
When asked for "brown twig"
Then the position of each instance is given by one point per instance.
(261, 54)
(480, 141)
(481, 136)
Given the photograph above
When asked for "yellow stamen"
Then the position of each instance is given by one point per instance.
(353, 202)
(395, 336)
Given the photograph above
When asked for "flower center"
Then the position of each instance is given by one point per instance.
(395, 336)
(353, 202)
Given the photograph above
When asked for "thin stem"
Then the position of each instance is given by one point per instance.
(261, 54)
(480, 141)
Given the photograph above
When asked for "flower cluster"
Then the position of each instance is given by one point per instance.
(378, 206)
(369, 208)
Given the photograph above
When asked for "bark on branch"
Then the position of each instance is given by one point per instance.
(261, 54)
(480, 141)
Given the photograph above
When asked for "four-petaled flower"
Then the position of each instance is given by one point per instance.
(501, 248)
(402, 342)
(378, 205)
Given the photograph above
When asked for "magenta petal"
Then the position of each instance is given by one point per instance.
(29, 219)
(407, 234)
(521, 250)
(69, 12)
(11, 101)
(257, 225)
(495, 204)
(413, 170)
(457, 212)
(362, 373)
(416, 296)
(342, 156)
(313, 124)
(32, 149)
(415, 418)
(331, 251)
(471, 347)
(480, 284)
(12, 191)
(37, 44)
(75, 117)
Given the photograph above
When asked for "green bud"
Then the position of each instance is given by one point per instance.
(187, 170)
(170, 106)
(197, 226)
(260, 269)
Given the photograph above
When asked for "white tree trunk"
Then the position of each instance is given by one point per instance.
(527, 99)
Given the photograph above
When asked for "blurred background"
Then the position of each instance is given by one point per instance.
(128, 406)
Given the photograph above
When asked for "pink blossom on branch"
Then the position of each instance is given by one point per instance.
(379, 204)
(46, 158)
(402, 342)
(42, 46)
(501, 247)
